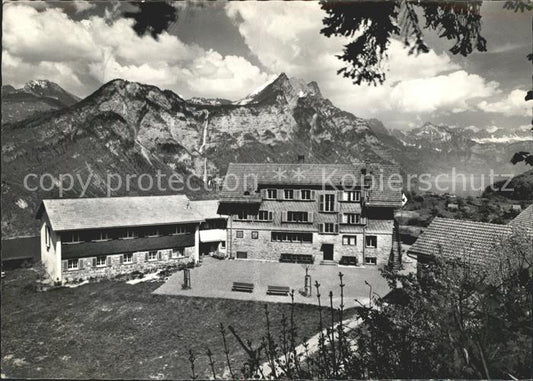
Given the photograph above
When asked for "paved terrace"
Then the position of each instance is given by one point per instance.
(214, 279)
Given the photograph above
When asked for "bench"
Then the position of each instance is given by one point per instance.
(243, 287)
(297, 258)
(278, 290)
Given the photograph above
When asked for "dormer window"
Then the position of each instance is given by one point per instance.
(153, 233)
(129, 234)
(73, 237)
(102, 236)
(180, 229)
(272, 194)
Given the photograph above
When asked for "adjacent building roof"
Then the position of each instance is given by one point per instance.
(207, 209)
(112, 212)
(243, 180)
(524, 221)
(468, 240)
(379, 226)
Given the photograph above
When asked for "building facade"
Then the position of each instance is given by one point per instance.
(310, 213)
(105, 237)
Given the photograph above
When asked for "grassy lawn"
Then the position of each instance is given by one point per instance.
(115, 330)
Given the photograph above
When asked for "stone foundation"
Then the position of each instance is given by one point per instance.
(115, 266)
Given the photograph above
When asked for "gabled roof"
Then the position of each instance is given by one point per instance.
(243, 180)
(524, 221)
(112, 212)
(467, 240)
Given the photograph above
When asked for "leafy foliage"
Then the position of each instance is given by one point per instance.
(152, 17)
(453, 321)
(374, 23)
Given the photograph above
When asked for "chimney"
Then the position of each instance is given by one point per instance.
(301, 159)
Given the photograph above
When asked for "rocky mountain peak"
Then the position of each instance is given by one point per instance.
(282, 89)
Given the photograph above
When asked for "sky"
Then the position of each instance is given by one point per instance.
(228, 49)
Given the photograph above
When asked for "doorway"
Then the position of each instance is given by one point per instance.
(327, 251)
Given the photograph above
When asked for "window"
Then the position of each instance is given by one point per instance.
(240, 234)
(371, 241)
(305, 194)
(177, 252)
(129, 234)
(297, 217)
(47, 236)
(73, 237)
(223, 244)
(350, 240)
(128, 258)
(292, 237)
(264, 215)
(242, 215)
(72, 264)
(288, 194)
(327, 202)
(352, 196)
(152, 255)
(102, 236)
(101, 260)
(272, 194)
(154, 232)
(370, 260)
(351, 218)
(255, 234)
(182, 229)
(242, 255)
(329, 227)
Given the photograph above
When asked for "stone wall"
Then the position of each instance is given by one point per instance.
(263, 248)
(115, 266)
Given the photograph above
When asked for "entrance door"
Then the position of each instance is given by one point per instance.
(327, 250)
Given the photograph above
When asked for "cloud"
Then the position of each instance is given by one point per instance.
(422, 84)
(81, 55)
(513, 104)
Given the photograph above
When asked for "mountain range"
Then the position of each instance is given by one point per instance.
(33, 98)
(132, 128)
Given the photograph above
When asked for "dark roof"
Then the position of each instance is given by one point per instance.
(243, 180)
(524, 221)
(111, 212)
(468, 240)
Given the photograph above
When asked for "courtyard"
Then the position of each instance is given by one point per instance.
(214, 279)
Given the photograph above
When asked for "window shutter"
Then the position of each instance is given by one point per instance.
(336, 228)
(310, 217)
(146, 256)
(344, 218)
(159, 256)
(270, 216)
(321, 228)
(263, 193)
(297, 194)
(313, 196)
(280, 194)
(283, 216)
(108, 260)
(321, 206)
(65, 267)
(122, 259)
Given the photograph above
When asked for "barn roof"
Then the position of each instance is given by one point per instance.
(468, 240)
(112, 212)
(524, 221)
